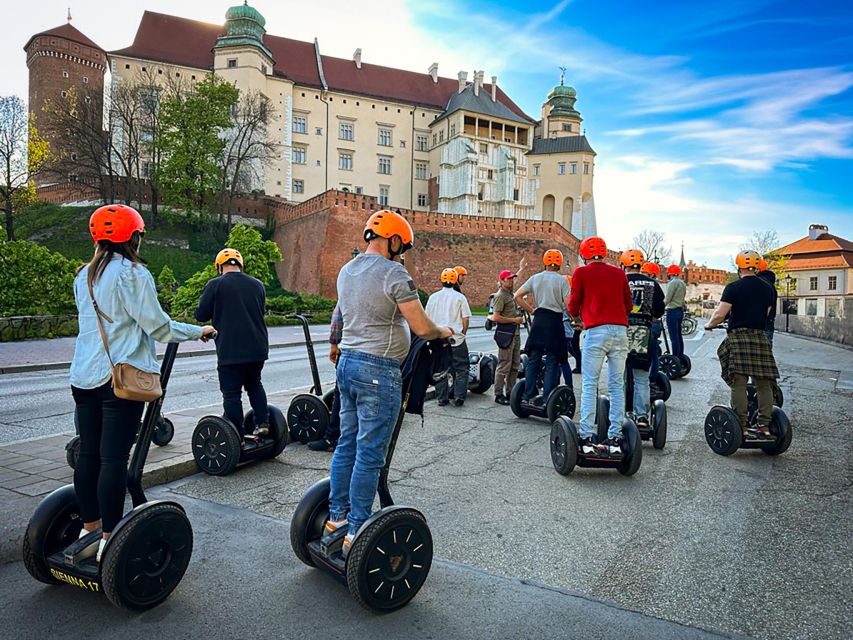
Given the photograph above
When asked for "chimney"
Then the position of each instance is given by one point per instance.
(817, 230)
(477, 80)
(356, 57)
(463, 78)
(433, 71)
(494, 88)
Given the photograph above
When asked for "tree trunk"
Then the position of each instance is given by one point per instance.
(155, 197)
(10, 229)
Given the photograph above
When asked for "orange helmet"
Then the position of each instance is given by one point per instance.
(673, 270)
(632, 258)
(228, 255)
(762, 266)
(553, 256)
(748, 260)
(387, 224)
(593, 247)
(462, 271)
(116, 223)
(651, 268)
(449, 276)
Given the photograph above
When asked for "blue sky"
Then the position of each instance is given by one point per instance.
(711, 119)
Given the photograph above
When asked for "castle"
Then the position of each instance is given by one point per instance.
(417, 141)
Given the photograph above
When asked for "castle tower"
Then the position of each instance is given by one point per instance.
(61, 59)
(240, 55)
(559, 116)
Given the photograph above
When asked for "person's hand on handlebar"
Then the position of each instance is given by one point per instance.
(446, 332)
(207, 333)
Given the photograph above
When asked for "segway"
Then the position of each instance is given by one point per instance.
(724, 435)
(391, 554)
(560, 402)
(164, 431)
(656, 429)
(481, 371)
(309, 414)
(148, 552)
(566, 452)
(671, 365)
(659, 387)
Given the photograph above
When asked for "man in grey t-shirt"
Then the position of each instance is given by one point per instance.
(377, 299)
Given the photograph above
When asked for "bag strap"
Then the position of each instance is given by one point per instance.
(98, 314)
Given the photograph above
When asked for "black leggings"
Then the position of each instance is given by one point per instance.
(233, 378)
(107, 430)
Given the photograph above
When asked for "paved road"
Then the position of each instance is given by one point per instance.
(39, 403)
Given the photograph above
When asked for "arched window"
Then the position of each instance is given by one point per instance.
(548, 204)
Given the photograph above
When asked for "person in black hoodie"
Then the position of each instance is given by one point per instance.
(769, 277)
(236, 301)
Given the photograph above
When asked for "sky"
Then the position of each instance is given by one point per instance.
(711, 120)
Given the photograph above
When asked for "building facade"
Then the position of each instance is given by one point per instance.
(414, 140)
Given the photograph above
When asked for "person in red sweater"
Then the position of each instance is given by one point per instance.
(602, 297)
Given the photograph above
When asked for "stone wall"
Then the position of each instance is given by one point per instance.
(834, 329)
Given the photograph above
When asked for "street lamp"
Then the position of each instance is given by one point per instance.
(355, 253)
(788, 280)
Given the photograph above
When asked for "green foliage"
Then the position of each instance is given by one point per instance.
(299, 302)
(166, 287)
(191, 143)
(258, 256)
(424, 296)
(36, 281)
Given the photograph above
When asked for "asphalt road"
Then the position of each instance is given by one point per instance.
(39, 403)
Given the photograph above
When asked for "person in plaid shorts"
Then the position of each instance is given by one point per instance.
(746, 352)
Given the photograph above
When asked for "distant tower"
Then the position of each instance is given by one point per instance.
(681, 262)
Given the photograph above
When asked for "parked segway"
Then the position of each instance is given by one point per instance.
(391, 554)
(481, 371)
(561, 401)
(308, 416)
(671, 365)
(566, 453)
(164, 431)
(148, 552)
(656, 429)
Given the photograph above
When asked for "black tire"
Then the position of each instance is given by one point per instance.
(564, 445)
(148, 557)
(686, 364)
(723, 430)
(308, 519)
(661, 388)
(72, 451)
(659, 423)
(487, 375)
(778, 396)
(602, 417)
(390, 560)
(307, 418)
(780, 427)
(164, 431)
(55, 524)
(633, 447)
(216, 446)
(561, 402)
(279, 431)
(515, 400)
(671, 366)
(522, 371)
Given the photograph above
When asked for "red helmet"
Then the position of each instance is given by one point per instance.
(673, 270)
(632, 258)
(651, 268)
(116, 223)
(593, 247)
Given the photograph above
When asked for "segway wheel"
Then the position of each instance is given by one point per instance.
(148, 557)
(723, 431)
(308, 519)
(72, 451)
(633, 447)
(55, 524)
(661, 388)
(561, 402)
(564, 445)
(164, 431)
(522, 370)
(390, 560)
(686, 364)
(515, 400)
(487, 375)
(780, 427)
(216, 446)
(671, 366)
(278, 428)
(778, 396)
(308, 418)
(602, 417)
(659, 422)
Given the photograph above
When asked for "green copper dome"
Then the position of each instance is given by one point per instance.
(244, 25)
(562, 100)
(244, 12)
(563, 90)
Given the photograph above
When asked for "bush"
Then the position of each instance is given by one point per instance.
(166, 287)
(35, 280)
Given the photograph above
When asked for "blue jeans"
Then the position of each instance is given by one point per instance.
(673, 325)
(371, 391)
(531, 373)
(642, 392)
(608, 340)
(657, 329)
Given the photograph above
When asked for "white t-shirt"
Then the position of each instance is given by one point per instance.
(550, 290)
(447, 308)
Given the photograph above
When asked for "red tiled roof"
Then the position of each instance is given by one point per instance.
(174, 40)
(69, 33)
(826, 262)
(826, 242)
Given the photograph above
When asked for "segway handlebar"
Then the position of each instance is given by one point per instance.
(317, 389)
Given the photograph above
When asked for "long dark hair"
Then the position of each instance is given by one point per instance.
(104, 252)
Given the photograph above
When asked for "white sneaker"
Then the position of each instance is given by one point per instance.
(101, 545)
(347, 544)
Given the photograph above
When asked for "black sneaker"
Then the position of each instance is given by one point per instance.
(262, 430)
(538, 401)
(458, 402)
(642, 422)
(589, 446)
(502, 399)
(443, 403)
(323, 445)
(614, 446)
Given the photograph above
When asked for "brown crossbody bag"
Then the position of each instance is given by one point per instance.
(129, 382)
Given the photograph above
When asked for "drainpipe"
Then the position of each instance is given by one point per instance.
(323, 95)
(412, 168)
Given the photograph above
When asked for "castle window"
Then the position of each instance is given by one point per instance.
(385, 137)
(298, 155)
(402, 144)
(422, 199)
(232, 63)
(346, 131)
(480, 189)
(177, 74)
(318, 131)
(452, 129)
(359, 190)
(264, 69)
(421, 142)
(574, 166)
(484, 148)
(345, 161)
(515, 194)
(421, 169)
(490, 174)
(384, 193)
(561, 168)
(441, 136)
(567, 127)
(385, 165)
(537, 169)
(159, 72)
(586, 168)
(298, 186)
(832, 284)
(192, 77)
(64, 74)
(127, 66)
(303, 95)
(300, 124)
(144, 69)
(813, 284)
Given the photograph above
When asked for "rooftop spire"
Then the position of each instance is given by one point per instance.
(68, 17)
(682, 263)
(562, 75)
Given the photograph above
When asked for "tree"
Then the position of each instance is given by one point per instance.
(167, 284)
(651, 243)
(764, 242)
(258, 258)
(36, 281)
(191, 141)
(23, 155)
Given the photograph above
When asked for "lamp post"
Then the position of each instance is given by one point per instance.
(788, 279)
(355, 253)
